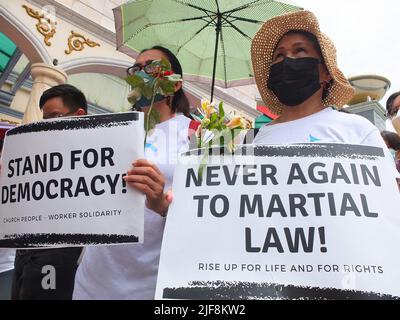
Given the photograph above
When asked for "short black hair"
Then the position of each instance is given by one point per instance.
(72, 97)
(389, 104)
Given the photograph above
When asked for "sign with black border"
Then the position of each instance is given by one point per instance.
(62, 184)
(305, 221)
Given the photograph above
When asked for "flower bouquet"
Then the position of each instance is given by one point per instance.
(218, 129)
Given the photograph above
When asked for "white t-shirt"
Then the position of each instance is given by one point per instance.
(326, 126)
(7, 257)
(130, 271)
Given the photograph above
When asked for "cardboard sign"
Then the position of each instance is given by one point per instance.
(310, 221)
(61, 182)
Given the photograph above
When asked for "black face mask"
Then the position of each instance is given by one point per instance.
(293, 81)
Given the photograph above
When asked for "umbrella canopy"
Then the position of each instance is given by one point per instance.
(211, 38)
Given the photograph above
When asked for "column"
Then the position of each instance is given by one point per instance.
(44, 77)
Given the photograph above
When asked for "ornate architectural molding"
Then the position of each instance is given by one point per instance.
(8, 121)
(77, 41)
(78, 20)
(24, 37)
(45, 26)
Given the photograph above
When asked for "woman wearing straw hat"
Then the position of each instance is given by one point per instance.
(298, 78)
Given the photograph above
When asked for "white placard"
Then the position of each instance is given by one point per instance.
(311, 221)
(61, 182)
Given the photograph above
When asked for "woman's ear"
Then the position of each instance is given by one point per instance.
(324, 75)
(327, 84)
(80, 112)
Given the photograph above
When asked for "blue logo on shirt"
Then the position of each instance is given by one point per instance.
(151, 147)
(314, 139)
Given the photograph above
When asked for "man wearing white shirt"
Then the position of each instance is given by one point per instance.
(59, 101)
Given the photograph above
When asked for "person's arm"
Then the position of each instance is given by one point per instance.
(148, 179)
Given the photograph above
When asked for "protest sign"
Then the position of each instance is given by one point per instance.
(61, 182)
(311, 221)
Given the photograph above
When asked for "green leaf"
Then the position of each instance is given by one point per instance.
(221, 109)
(214, 117)
(165, 65)
(152, 118)
(221, 122)
(135, 95)
(161, 91)
(135, 81)
(147, 91)
(167, 86)
(205, 123)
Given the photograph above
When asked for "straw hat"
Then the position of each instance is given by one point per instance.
(265, 42)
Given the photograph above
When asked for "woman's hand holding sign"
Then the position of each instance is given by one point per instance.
(147, 178)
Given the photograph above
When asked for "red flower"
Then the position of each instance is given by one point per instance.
(168, 73)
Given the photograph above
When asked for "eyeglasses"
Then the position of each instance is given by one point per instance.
(61, 115)
(148, 68)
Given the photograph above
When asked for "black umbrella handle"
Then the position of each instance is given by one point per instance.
(218, 32)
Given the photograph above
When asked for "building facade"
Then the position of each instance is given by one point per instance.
(73, 41)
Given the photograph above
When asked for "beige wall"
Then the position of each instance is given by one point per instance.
(99, 11)
(21, 28)
(103, 59)
(59, 43)
(20, 100)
